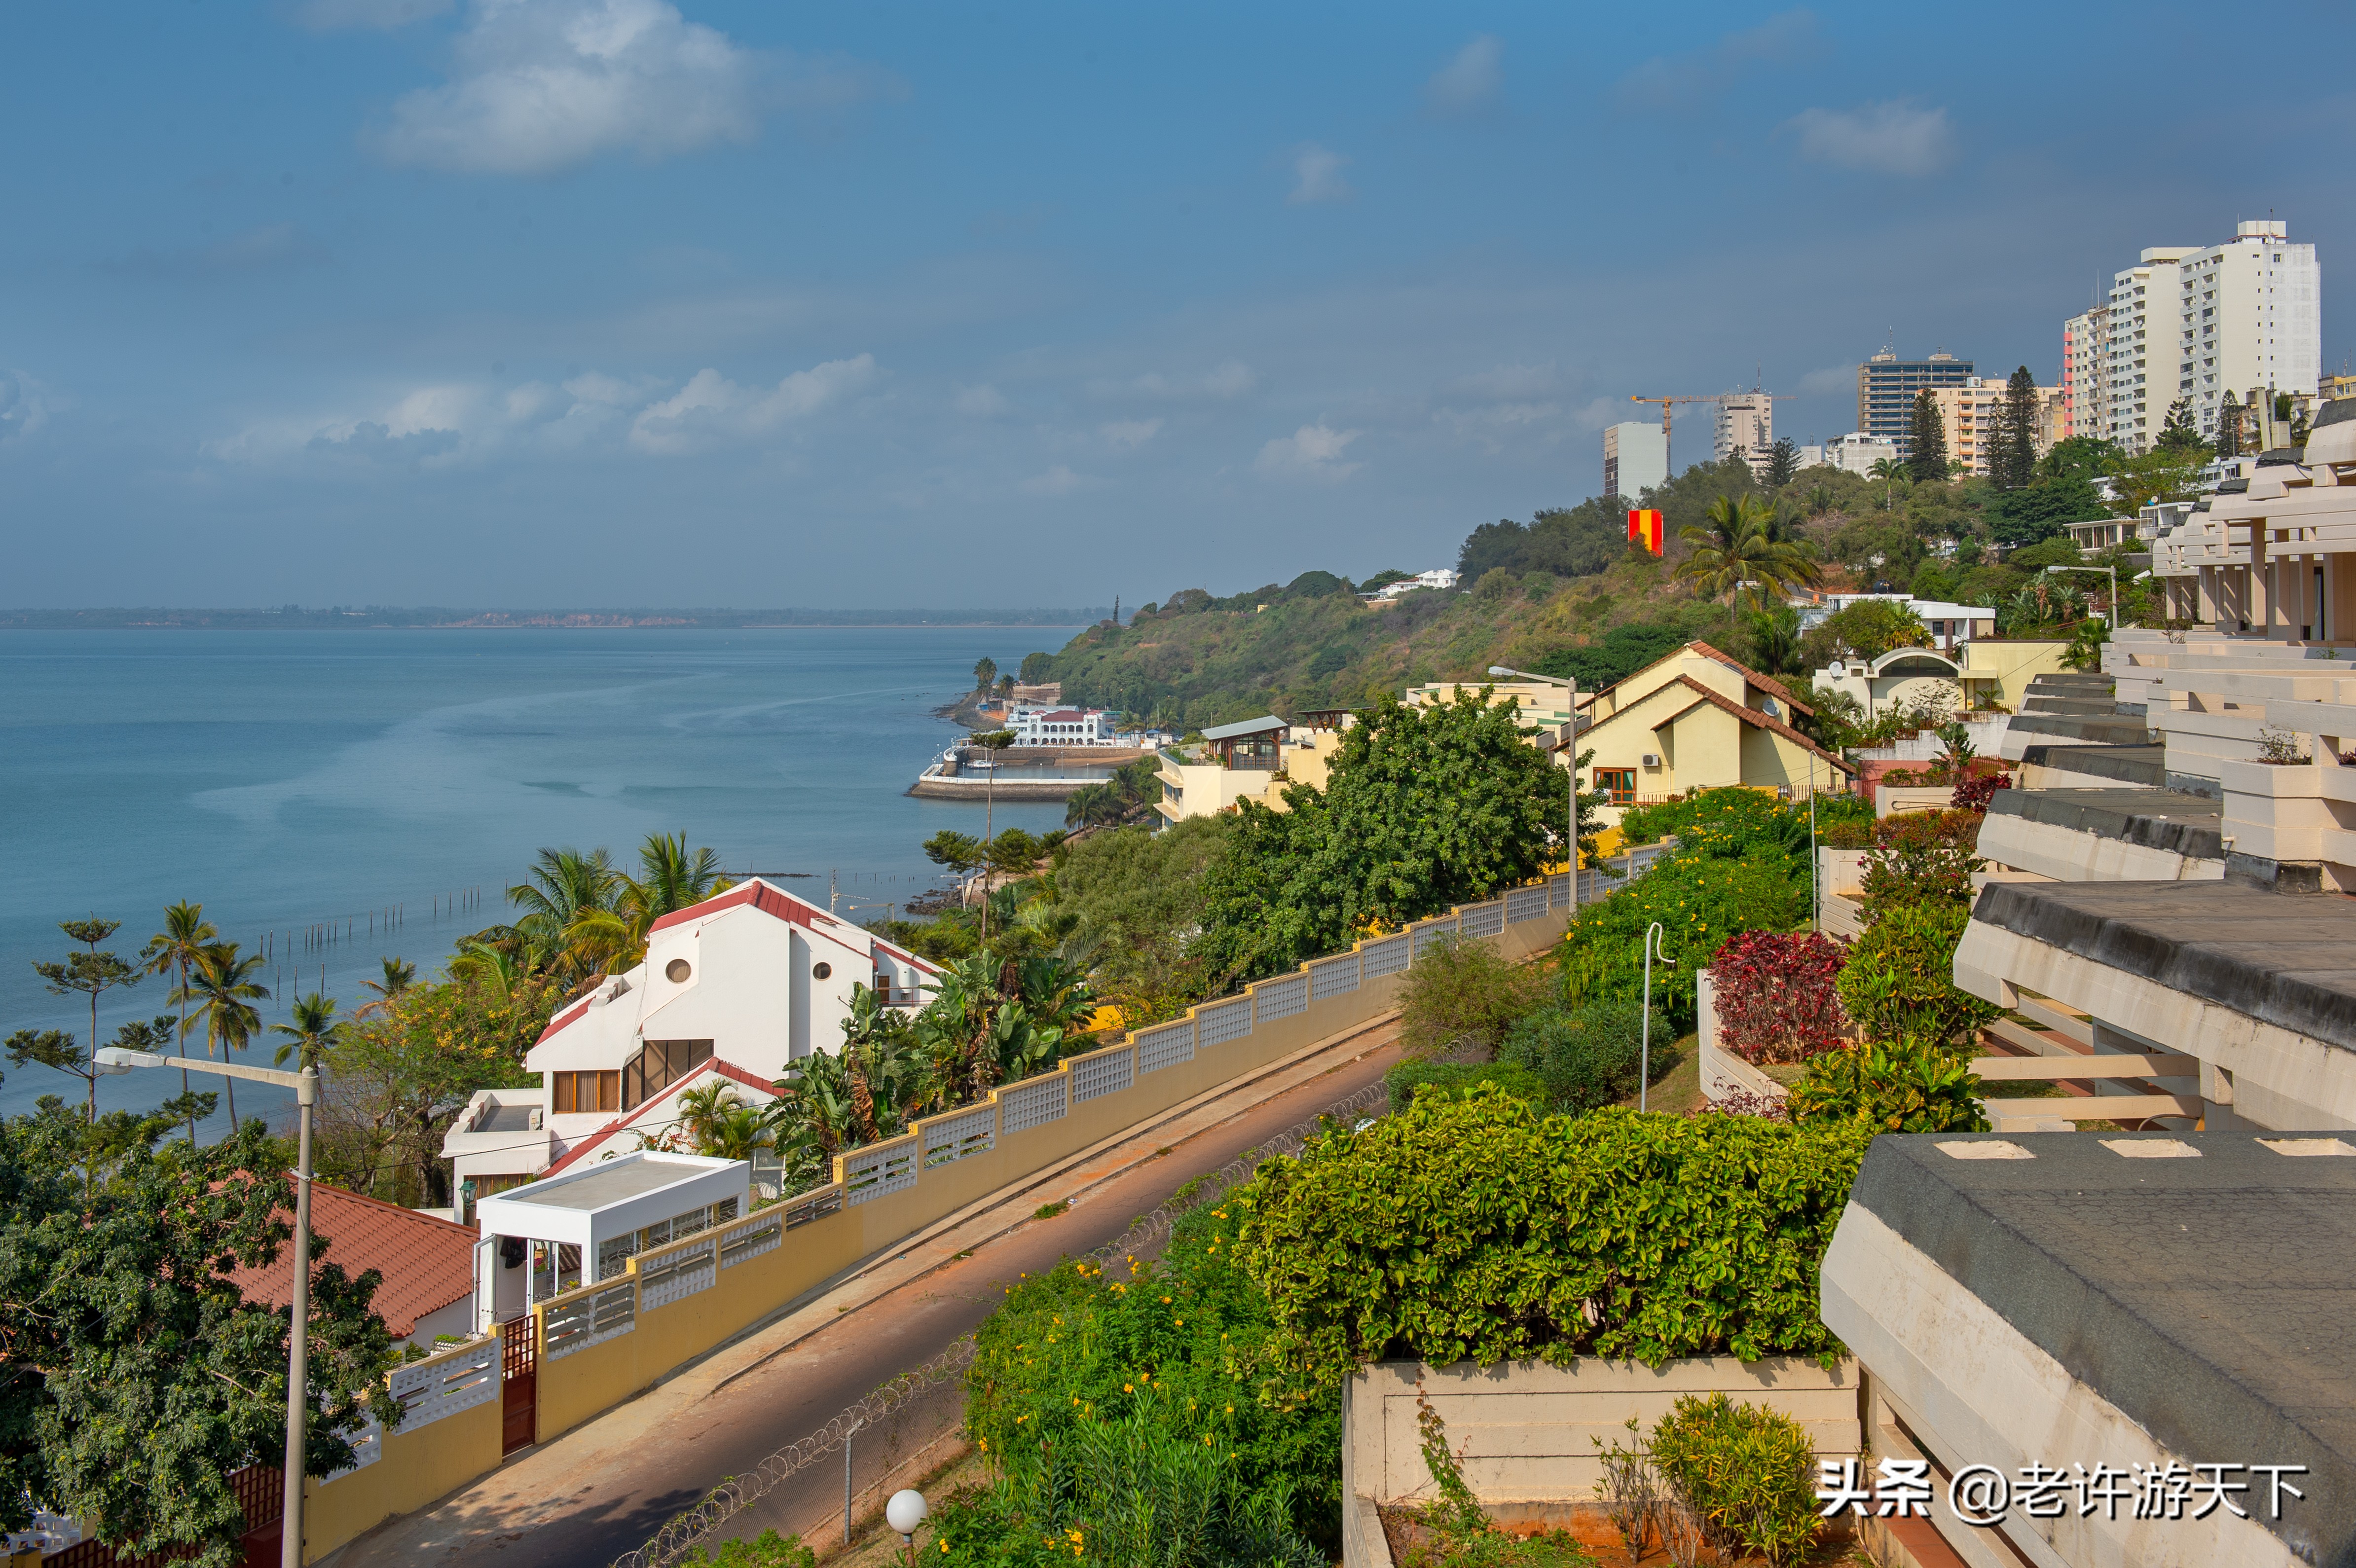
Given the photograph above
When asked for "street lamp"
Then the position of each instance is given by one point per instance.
(1645, 1058)
(904, 1513)
(1570, 773)
(113, 1059)
(2115, 587)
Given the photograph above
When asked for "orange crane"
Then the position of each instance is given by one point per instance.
(1698, 398)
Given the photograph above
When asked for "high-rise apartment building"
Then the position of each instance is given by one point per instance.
(2083, 404)
(1635, 459)
(1970, 414)
(1886, 386)
(1746, 424)
(2197, 323)
(2250, 314)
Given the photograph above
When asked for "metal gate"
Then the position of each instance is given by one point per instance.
(518, 1384)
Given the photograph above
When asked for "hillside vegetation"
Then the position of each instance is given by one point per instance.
(1563, 594)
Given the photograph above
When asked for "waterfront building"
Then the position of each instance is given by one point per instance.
(1886, 387)
(737, 988)
(1746, 428)
(1064, 727)
(1635, 459)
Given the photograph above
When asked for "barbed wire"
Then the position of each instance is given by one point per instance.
(733, 1495)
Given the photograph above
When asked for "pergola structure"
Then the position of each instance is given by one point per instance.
(585, 1225)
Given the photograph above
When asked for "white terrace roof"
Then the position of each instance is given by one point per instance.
(613, 1198)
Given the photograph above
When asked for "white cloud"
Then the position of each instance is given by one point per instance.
(1131, 433)
(1894, 138)
(541, 85)
(984, 402)
(711, 407)
(336, 15)
(1313, 451)
(1469, 83)
(1831, 379)
(1057, 481)
(25, 405)
(1317, 176)
(1681, 79)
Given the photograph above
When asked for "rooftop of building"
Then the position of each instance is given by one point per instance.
(2203, 1297)
(2153, 818)
(427, 1262)
(2283, 958)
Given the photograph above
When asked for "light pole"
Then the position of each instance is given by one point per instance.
(1570, 772)
(112, 1058)
(1644, 1057)
(2115, 587)
(904, 1513)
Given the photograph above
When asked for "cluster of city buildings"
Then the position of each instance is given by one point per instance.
(2229, 328)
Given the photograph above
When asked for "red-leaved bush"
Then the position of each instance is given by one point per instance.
(1973, 793)
(1775, 997)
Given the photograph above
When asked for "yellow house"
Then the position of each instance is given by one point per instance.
(1698, 719)
(1257, 760)
(1546, 702)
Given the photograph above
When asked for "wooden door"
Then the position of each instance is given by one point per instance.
(519, 1385)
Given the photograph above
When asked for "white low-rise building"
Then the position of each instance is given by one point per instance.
(736, 988)
(1443, 577)
(1064, 727)
(1949, 624)
(1855, 452)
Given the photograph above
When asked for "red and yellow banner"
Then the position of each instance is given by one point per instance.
(1645, 528)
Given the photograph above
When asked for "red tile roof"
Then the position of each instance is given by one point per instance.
(427, 1262)
(1751, 715)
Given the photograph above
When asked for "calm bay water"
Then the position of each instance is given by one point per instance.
(289, 779)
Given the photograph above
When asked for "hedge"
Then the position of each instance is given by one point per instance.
(1470, 1229)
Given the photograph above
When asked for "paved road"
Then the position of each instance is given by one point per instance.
(618, 1503)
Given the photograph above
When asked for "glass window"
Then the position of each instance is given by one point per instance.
(1620, 781)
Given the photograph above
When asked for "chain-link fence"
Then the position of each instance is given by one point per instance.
(737, 1494)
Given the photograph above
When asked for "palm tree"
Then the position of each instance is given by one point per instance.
(562, 886)
(222, 987)
(174, 949)
(668, 880)
(314, 1030)
(1739, 549)
(487, 968)
(702, 1108)
(398, 977)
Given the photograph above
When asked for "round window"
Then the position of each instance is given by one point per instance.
(823, 971)
(678, 970)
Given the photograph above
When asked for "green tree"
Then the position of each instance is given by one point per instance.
(985, 672)
(171, 951)
(136, 1380)
(2180, 433)
(1927, 436)
(1738, 556)
(1870, 628)
(1426, 806)
(1036, 667)
(2012, 457)
(1772, 637)
(2043, 509)
(562, 887)
(2163, 474)
(398, 977)
(1783, 463)
(311, 1032)
(2229, 426)
(669, 879)
(90, 975)
(961, 852)
(224, 990)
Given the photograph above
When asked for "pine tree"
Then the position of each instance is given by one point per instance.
(1782, 461)
(2012, 455)
(1928, 438)
(2229, 426)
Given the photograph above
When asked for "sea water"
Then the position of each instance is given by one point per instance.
(291, 780)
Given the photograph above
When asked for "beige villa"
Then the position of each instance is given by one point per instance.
(1698, 719)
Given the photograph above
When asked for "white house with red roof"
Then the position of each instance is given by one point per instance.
(428, 1266)
(737, 988)
(1063, 727)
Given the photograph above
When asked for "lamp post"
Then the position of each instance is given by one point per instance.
(112, 1059)
(2115, 587)
(1570, 772)
(904, 1513)
(1644, 1047)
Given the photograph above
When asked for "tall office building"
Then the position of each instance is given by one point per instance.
(1635, 459)
(1886, 386)
(2250, 314)
(2139, 349)
(2082, 399)
(1746, 424)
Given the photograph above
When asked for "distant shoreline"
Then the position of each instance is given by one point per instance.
(438, 620)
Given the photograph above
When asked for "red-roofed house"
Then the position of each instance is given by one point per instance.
(1700, 720)
(428, 1264)
(744, 983)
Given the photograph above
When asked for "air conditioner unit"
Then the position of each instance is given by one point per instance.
(1652, 759)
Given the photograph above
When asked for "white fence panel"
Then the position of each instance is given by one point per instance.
(764, 1233)
(1484, 920)
(428, 1391)
(672, 1276)
(954, 1138)
(1106, 1072)
(589, 1318)
(1525, 903)
(1281, 999)
(1222, 1022)
(1332, 976)
(873, 1173)
(1387, 957)
(1164, 1045)
(1034, 1104)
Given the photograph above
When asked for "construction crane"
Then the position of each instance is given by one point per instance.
(1697, 398)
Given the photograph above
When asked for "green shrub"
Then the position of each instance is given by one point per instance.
(1922, 857)
(1899, 980)
(1462, 991)
(1588, 1056)
(1724, 822)
(1455, 1077)
(1700, 901)
(1472, 1229)
(1745, 1469)
(769, 1551)
(1908, 1087)
(1184, 1343)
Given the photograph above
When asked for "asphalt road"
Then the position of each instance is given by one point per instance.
(682, 1457)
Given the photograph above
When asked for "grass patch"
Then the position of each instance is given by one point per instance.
(1049, 1211)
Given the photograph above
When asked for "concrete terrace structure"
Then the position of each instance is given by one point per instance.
(738, 986)
(2099, 1305)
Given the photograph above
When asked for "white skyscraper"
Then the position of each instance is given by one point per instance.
(2250, 315)
(2139, 350)
(1635, 459)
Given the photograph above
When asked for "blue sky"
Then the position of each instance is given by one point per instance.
(626, 303)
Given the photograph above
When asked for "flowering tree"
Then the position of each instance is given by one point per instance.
(1775, 995)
